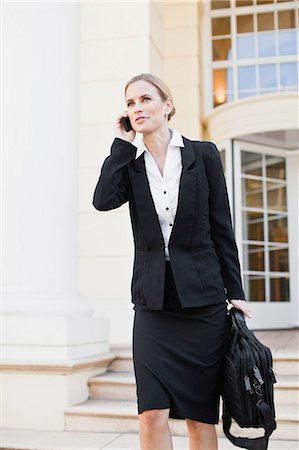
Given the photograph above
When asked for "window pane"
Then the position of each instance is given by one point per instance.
(275, 167)
(255, 287)
(266, 44)
(276, 196)
(245, 24)
(279, 290)
(244, 94)
(288, 74)
(246, 77)
(252, 193)
(254, 257)
(286, 19)
(287, 44)
(279, 259)
(222, 49)
(253, 226)
(218, 4)
(220, 26)
(245, 46)
(263, 2)
(278, 228)
(222, 83)
(265, 21)
(243, 3)
(251, 163)
(268, 80)
(222, 156)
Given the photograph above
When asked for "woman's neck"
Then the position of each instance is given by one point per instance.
(158, 141)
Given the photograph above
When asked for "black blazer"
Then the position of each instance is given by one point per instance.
(202, 248)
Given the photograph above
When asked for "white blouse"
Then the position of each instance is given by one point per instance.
(164, 189)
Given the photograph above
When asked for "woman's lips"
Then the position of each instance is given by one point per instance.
(139, 119)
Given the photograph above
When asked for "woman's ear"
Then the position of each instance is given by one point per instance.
(169, 106)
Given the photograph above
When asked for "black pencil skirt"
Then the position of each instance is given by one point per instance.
(178, 355)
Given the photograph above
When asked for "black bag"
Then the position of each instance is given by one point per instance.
(247, 385)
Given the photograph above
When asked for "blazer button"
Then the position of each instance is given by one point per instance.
(170, 224)
(167, 208)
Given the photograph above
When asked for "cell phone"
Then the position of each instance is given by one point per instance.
(126, 123)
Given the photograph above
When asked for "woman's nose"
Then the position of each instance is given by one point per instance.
(137, 108)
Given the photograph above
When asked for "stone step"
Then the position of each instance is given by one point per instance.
(76, 440)
(286, 363)
(121, 416)
(122, 386)
(283, 363)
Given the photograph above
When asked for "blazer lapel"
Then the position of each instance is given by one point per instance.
(145, 206)
(182, 228)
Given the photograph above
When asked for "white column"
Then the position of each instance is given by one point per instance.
(47, 326)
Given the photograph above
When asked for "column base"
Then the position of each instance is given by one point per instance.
(46, 364)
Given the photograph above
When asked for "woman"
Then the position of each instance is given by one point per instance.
(185, 268)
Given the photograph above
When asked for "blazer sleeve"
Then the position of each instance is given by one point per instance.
(222, 232)
(112, 187)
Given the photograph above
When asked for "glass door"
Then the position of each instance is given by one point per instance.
(261, 214)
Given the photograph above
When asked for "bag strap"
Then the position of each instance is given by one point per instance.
(267, 422)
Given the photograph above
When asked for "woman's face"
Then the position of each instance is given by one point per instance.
(143, 100)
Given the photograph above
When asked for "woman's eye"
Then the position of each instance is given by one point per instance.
(146, 98)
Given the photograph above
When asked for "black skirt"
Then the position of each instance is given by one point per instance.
(178, 355)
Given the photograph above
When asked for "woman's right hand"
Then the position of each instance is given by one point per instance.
(120, 131)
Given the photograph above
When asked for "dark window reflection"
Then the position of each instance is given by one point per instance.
(279, 290)
(253, 226)
(255, 287)
(254, 256)
(278, 259)
(277, 226)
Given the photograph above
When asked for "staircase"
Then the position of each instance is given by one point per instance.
(112, 403)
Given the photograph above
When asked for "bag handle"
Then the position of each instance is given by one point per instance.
(267, 422)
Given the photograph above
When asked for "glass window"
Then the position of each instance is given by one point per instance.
(245, 24)
(255, 288)
(265, 232)
(286, 19)
(267, 78)
(254, 257)
(278, 259)
(263, 2)
(223, 160)
(279, 289)
(221, 26)
(218, 4)
(253, 193)
(265, 21)
(246, 77)
(257, 34)
(253, 226)
(275, 167)
(251, 163)
(222, 85)
(222, 49)
(276, 196)
(288, 74)
(266, 44)
(244, 3)
(245, 46)
(287, 44)
(278, 229)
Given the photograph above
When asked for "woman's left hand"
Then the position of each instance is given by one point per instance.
(242, 305)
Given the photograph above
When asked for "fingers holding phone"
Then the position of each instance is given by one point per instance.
(123, 128)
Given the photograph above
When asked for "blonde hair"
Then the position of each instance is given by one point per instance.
(162, 87)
